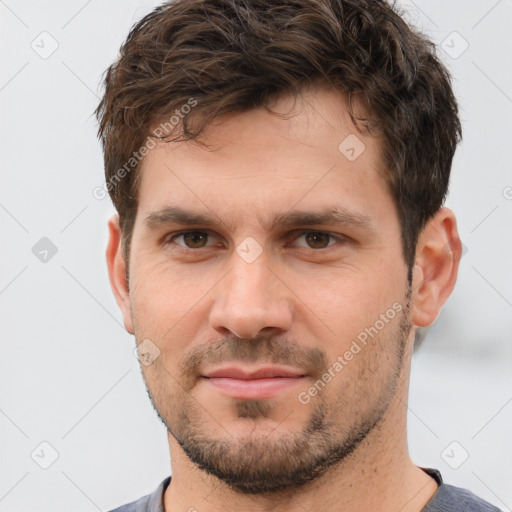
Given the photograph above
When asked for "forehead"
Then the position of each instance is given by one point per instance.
(257, 162)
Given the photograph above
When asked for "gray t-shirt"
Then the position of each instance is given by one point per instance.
(446, 499)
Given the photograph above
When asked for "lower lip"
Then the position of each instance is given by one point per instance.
(253, 389)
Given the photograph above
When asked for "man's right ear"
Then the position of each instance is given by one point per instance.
(117, 272)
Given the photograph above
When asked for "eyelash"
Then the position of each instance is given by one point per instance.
(186, 250)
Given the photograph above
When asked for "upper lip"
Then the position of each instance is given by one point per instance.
(266, 372)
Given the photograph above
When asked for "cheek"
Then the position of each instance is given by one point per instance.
(169, 307)
(363, 315)
(348, 302)
(163, 293)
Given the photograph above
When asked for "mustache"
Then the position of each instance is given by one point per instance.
(262, 349)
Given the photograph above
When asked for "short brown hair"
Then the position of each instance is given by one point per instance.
(236, 55)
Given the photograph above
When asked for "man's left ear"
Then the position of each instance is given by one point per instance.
(438, 254)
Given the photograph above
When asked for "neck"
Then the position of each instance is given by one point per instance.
(378, 476)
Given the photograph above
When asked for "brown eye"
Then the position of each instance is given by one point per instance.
(194, 239)
(317, 240)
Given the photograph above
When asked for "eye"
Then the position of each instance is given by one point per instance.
(317, 239)
(191, 239)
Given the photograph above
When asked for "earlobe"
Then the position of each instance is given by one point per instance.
(117, 271)
(438, 254)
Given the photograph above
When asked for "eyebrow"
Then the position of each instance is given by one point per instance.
(333, 216)
(178, 215)
(291, 218)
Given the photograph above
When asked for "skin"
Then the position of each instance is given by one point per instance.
(299, 298)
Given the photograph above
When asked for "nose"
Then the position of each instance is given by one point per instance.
(251, 300)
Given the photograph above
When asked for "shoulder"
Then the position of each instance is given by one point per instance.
(449, 498)
(140, 505)
(150, 503)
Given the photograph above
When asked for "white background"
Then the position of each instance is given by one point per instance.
(67, 372)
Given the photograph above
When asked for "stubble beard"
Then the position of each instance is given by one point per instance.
(262, 464)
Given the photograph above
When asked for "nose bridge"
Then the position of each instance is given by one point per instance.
(250, 299)
(250, 281)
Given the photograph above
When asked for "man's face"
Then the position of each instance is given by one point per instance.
(281, 327)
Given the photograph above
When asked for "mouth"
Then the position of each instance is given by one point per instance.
(253, 383)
